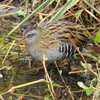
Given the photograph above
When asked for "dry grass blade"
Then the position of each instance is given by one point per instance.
(86, 1)
(22, 85)
(38, 9)
(8, 51)
(50, 84)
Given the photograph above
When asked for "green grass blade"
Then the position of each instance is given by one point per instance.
(63, 9)
(38, 9)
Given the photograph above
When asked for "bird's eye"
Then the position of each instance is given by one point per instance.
(30, 35)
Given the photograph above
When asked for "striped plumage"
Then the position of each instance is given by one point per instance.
(55, 40)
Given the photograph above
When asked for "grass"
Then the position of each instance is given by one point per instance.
(22, 79)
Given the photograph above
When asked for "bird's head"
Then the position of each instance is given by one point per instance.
(30, 38)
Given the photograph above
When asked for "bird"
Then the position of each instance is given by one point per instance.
(56, 40)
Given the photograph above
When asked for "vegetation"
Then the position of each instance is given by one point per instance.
(23, 78)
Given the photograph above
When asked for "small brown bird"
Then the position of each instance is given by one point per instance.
(55, 40)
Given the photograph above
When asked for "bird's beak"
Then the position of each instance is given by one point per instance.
(23, 40)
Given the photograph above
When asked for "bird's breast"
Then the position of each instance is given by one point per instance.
(51, 51)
